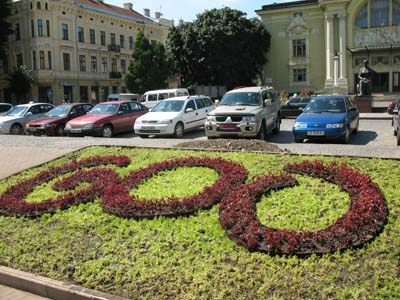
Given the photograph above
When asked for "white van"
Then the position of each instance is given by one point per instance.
(151, 98)
(120, 97)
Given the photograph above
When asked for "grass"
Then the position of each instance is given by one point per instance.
(192, 257)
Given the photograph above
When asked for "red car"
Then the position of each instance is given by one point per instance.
(106, 119)
(54, 121)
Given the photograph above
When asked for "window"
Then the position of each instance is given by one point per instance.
(34, 66)
(20, 60)
(396, 59)
(395, 13)
(113, 64)
(82, 63)
(42, 64)
(190, 104)
(66, 61)
(299, 75)
(40, 27)
(103, 38)
(380, 60)
(362, 18)
(131, 42)
(81, 35)
(64, 32)
(17, 32)
(376, 13)
(92, 35)
(49, 59)
(38, 5)
(379, 13)
(299, 48)
(46, 6)
(48, 28)
(112, 38)
(32, 28)
(122, 41)
(104, 64)
(199, 103)
(123, 66)
(297, 14)
(359, 61)
(93, 60)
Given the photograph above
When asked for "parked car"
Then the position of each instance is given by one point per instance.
(245, 112)
(152, 98)
(4, 108)
(294, 106)
(107, 118)
(327, 117)
(54, 121)
(396, 122)
(123, 96)
(15, 120)
(174, 116)
(392, 106)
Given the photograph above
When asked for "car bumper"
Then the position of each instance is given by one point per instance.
(238, 130)
(96, 131)
(5, 129)
(319, 133)
(154, 129)
(40, 130)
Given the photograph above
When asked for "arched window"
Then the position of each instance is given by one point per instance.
(46, 6)
(377, 13)
(38, 5)
(31, 5)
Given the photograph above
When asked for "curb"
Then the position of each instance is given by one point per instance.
(49, 288)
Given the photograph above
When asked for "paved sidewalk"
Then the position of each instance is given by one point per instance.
(7, 293)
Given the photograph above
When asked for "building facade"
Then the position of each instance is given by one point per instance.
(79, 50)
(321, 44)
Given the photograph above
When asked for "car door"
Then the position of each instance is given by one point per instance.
(201, 112)
(122, 121)
(190, 114)
(352, 113)
(269, 110)
(136, 110)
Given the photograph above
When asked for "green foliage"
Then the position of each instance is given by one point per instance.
(5, 26)
(221, 47)
(149, 69)
(192, 257)
(19, 82)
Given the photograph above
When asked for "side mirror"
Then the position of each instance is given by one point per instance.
(120, 112)
(189, 110)
(267, 102)
(216, 102)
(29, 114)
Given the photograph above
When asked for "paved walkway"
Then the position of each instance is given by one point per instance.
(7, 293)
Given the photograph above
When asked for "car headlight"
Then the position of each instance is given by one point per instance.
(300, 125)
(249, 119)
(211, 119)
(68, 126)
(165, 122)
(336, 125)
(138, 121)
(88, 126)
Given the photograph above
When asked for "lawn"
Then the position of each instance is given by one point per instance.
(192, 256)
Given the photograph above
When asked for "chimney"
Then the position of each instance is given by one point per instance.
(128, 6)
(146, 12)
(157, 15)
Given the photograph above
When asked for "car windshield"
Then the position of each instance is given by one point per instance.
(17, 111)
(322, 105)
(241, 98)
(169, 105)
(104, 108)
(59, 111)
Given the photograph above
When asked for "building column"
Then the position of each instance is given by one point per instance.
(342, 47)
(329, 48)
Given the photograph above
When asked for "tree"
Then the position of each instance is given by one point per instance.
(221, 47)
(19, 82)
(5, 27)
(149, 69)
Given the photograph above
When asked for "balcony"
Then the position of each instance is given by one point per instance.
(115, 75)
(114, 48)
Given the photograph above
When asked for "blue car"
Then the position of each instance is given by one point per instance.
(327, 117)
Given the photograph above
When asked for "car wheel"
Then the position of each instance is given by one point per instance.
(178, 131)
(298, 140)
(60, 130)
(211, 138)
(16, 129)
(398, 138)
(143, 136)
(262, 134)
(395, 130)
(107, 131)
(355, 131)
(277, 128)
(346, 137)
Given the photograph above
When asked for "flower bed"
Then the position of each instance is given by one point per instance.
(363, 221)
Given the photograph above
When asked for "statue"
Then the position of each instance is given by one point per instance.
(365, 79)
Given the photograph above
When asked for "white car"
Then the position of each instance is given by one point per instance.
(174, 116)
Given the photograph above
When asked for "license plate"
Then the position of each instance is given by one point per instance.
(316, 133)
(76, 130)
(227, 126)
(148, 127)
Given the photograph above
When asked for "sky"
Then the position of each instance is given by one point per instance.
(188, 9)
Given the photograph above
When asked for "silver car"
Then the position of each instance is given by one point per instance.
(15, 120)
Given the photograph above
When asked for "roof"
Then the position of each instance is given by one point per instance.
(288, 4)
(116, 11)
(252, 89)
(374, 48)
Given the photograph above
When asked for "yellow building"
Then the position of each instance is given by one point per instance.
(321, 44)
(79, 50)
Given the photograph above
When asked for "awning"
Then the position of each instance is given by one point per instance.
(369, 49)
